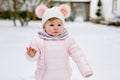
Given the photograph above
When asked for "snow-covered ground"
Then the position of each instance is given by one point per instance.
(100, 43)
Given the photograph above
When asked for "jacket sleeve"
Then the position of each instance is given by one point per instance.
(33, 44)
(79, 58)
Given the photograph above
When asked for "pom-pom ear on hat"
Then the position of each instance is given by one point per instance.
(65, 9)
(39, 11)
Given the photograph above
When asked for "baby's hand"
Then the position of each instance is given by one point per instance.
(89, 74)
(31, 51)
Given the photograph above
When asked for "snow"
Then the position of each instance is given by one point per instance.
(100, 43)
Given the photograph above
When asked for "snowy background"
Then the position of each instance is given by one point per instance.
(100, 43)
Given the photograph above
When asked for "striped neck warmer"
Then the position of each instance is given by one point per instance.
(44, 35)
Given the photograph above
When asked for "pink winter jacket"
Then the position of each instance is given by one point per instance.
(53, 59)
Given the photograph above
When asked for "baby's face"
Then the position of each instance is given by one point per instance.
(54, 27)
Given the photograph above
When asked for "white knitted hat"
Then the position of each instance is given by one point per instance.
(61, 12)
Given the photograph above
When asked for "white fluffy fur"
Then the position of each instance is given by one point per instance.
(39, 11)
(65, 10)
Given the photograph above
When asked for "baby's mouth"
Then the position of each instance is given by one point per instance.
(56, 32)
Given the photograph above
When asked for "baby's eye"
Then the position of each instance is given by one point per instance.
(59, 25)
(51, 24)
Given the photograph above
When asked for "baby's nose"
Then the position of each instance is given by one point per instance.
(56, 27)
